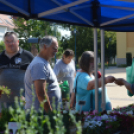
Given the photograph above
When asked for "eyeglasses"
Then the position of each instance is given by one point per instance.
(10, 42)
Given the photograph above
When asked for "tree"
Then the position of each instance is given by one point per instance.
(84, 41)
(32, 28)
(110, 45)
(2, 46)
(35, 28)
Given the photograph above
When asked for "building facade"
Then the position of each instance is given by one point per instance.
(6, 24)
(125, 44)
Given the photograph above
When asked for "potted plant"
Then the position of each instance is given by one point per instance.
(5, 90)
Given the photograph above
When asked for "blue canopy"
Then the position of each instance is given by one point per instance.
(113, 15)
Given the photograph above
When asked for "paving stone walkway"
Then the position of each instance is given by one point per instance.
(118, 94)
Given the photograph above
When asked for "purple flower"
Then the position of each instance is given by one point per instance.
(98, 118)
(108, 127)
(114, 117)
(88, 117)
(86, 113)
(95, 112)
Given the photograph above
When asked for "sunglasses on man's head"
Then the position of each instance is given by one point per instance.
(10, 33)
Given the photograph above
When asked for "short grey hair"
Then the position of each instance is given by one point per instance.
(47, 41)
(10, 33)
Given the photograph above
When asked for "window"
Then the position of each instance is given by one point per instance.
(9, 22)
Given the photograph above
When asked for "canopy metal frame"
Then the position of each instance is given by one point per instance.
(72, 10)
(61, 8)
(15, 8)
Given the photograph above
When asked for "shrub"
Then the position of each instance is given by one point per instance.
(2, 46)
(122, 65)
(4, 119)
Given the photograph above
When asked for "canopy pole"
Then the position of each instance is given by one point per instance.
(96, 68)
(103, 70)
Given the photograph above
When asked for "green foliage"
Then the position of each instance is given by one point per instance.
(84, 41)
(77, 66)
(32, 28)
(2, 46)
(5, 90)
(33, 122)
(122, 65)
(106, 65)
(110, 45)
(4, 119)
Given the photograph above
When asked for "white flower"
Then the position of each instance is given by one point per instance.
(86, 113)
(104, 117)
(73, 111)
(99, 123)
(92, 126)
(92, 122)
(109, 111)
(120, 112)
(86, 124)
(64, 111)
(129, 112)
(88, 117)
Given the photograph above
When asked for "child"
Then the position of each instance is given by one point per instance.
(65, 68)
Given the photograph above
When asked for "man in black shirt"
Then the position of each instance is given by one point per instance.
(13, 63)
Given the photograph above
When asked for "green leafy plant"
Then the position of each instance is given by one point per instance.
(4, 119)
(33, 122)
(2, 46)
(5, 90)
(122, 65)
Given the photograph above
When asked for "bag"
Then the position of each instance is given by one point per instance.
(75, 89)
(65, 90)
(130, 76)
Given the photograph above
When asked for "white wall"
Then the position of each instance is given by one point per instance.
(3, 30)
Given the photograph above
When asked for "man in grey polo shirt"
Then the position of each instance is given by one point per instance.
(39, 73)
